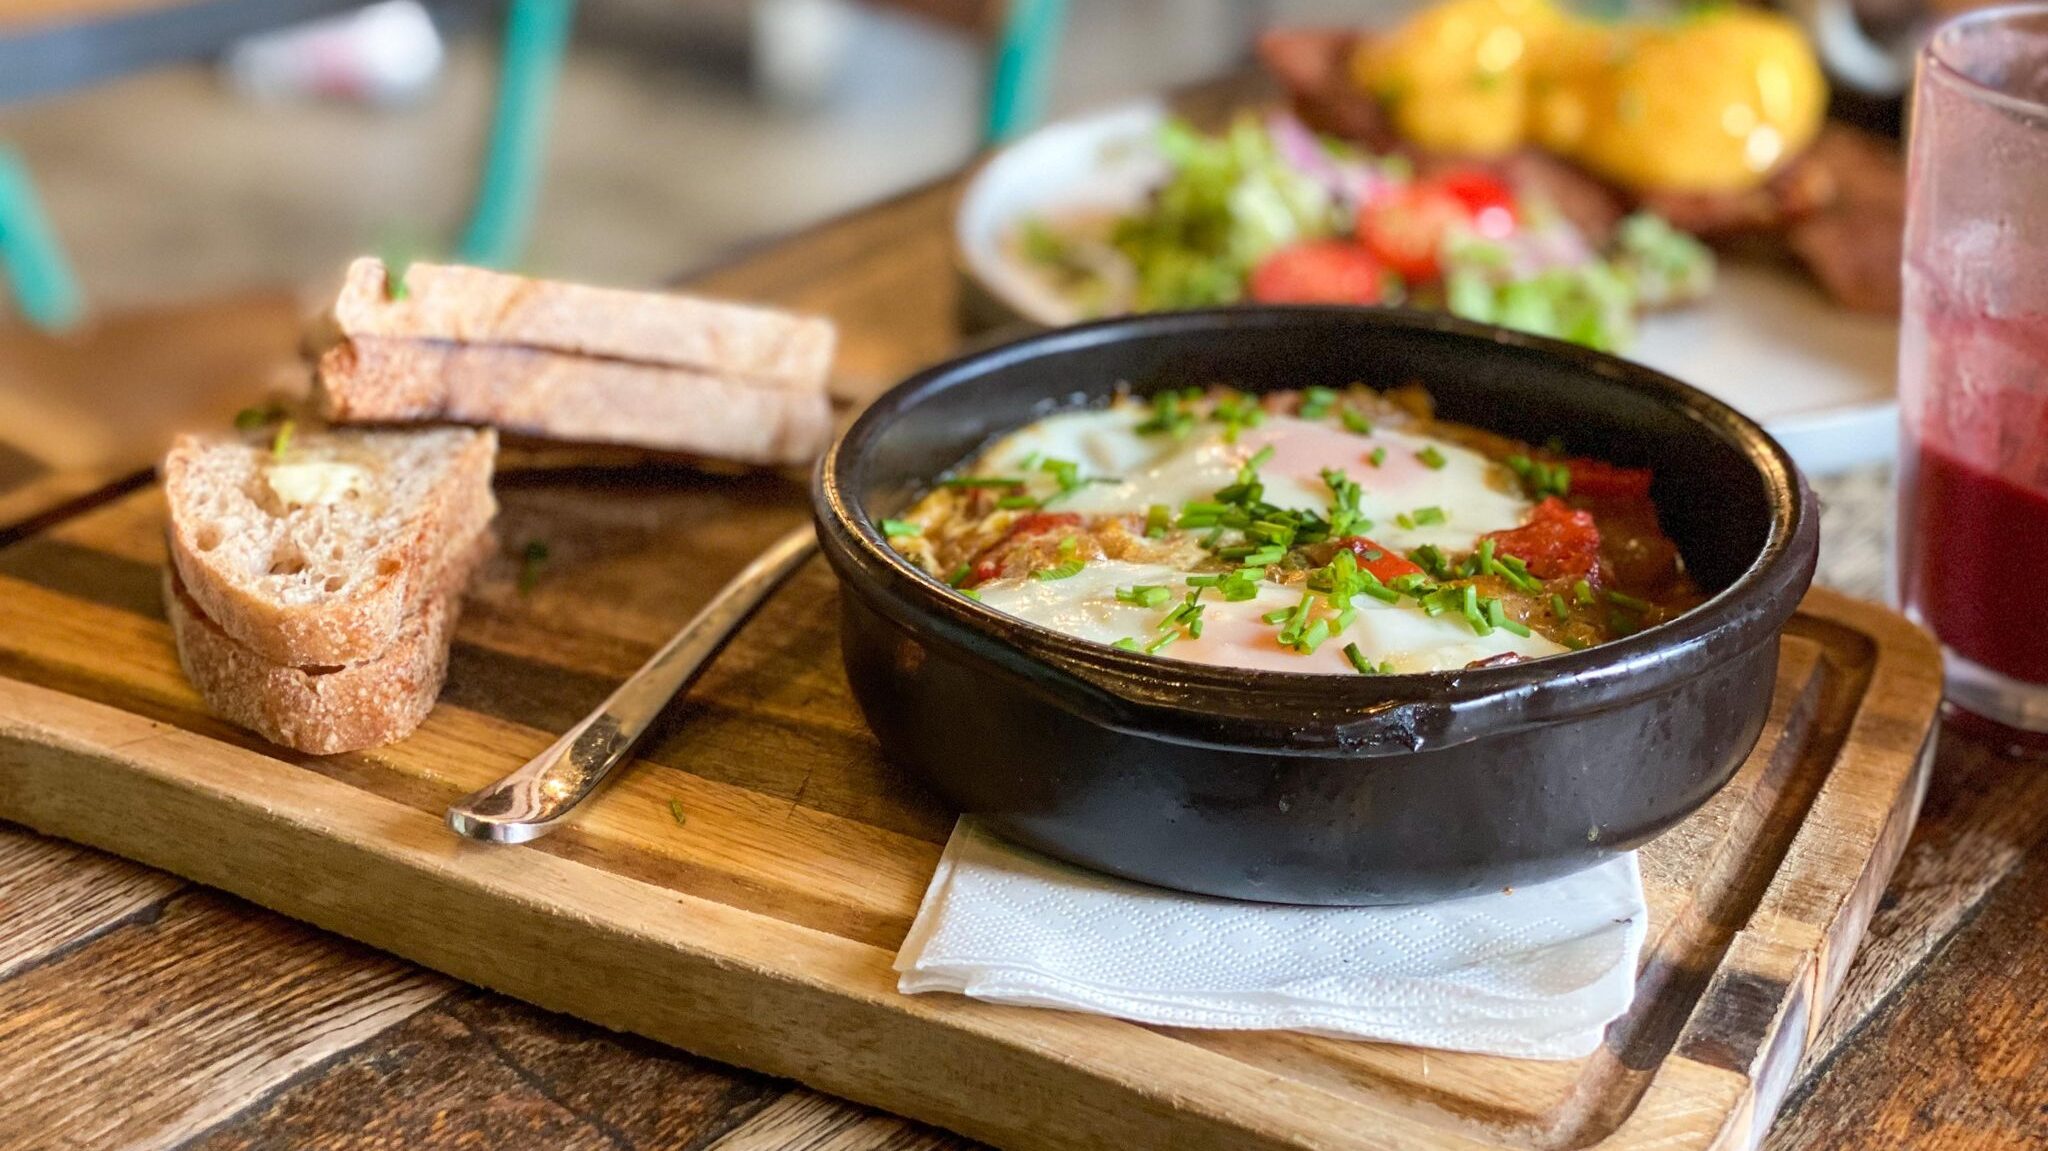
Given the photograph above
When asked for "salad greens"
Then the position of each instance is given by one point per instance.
(1231, 201)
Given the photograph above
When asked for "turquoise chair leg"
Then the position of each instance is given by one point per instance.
(1023, 67)
(536, 38)
(44, 287)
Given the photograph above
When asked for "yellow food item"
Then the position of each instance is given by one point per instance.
(1712, 105)
(1455, 77)
(1713, 102)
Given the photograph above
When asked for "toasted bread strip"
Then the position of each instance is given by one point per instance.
(476, 306)
(336, 708)
(332, 579)
(548, 394)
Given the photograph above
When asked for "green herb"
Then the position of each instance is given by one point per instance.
(1161, 643)
(983, 482)
(1144, 595)
(530, 563)
(1237, 411)
(1431, 559)
(970, 593)
(1066, 569)
(1541, 479)
(1497, 615)
(1018, 503)
(675, 811)
(1128, 644)
(1356, 422)
(1559, 608)
(1431, 458)
(1426, 517)
(1623, 599)
(1168, 416)
(1363, 665)
(959, 575)
(394, 282)
(1378, 456)
(1468, 606)
(894, 528)
(1316, 403)
(1158, 518)
(1582, 591)
(249, 419)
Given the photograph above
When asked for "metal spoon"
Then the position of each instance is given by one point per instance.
(529, 803)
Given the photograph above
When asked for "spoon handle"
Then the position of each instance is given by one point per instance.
(532, 800)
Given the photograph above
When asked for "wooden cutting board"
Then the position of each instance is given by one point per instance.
(741, 892)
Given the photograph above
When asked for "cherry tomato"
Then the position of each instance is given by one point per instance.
(1487, 199)
(1405, 229)
(1557, 542)
(1389, 565)
(1598, 479)
(1318, 272)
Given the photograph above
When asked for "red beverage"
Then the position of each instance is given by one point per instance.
(1972, 541)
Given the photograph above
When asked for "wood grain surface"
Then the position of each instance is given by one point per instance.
(758, 927)
(1929, 1042)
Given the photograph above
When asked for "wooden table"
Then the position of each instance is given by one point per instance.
(137, 1010)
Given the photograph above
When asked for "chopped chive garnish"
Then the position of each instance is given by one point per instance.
(1623, 599)
(1312, 637)
(1238, 586)
(675, 811)
(249, 419)
(1128, 644)
(1540, 478)
(959, 575)
(1018, 503)
(1358, 660)
(1582, 591)
(530, 561)
(1378, 456)
(1468, 606)
(282, 442)
(983, 482)
(1425, 517)
(1356, 423)
(1316, 403)
(1271, 554)
(1260, 458)
(1431, 458)
(1278, 615)
(394, 282)
(1144, 595)
(970, 593)
(1560, 609)
(1063, 570)
(1160, 643)
(894, 528)
(1158, 518)
(1497, 615)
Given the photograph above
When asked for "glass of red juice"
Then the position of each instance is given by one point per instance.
(1972, 541)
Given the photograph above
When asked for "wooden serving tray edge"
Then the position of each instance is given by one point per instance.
(816, 1007)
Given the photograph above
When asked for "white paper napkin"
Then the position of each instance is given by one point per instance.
(1537, 972)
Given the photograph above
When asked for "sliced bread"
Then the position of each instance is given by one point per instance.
(315, 550)
(565, 397)
(477, 306)
(333, 708)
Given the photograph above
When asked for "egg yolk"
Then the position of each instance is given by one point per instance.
(1712, 103)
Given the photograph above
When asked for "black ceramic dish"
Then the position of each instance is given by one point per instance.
(1317, 788)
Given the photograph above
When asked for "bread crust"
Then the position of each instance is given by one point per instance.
(331, 630)
(324, 710)
(566, 397)
(478, 306)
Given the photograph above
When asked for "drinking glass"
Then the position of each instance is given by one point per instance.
(1972, 541)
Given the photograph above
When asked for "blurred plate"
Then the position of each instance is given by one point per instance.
(1819, 377)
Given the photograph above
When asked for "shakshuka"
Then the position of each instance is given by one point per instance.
(1323, 530)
